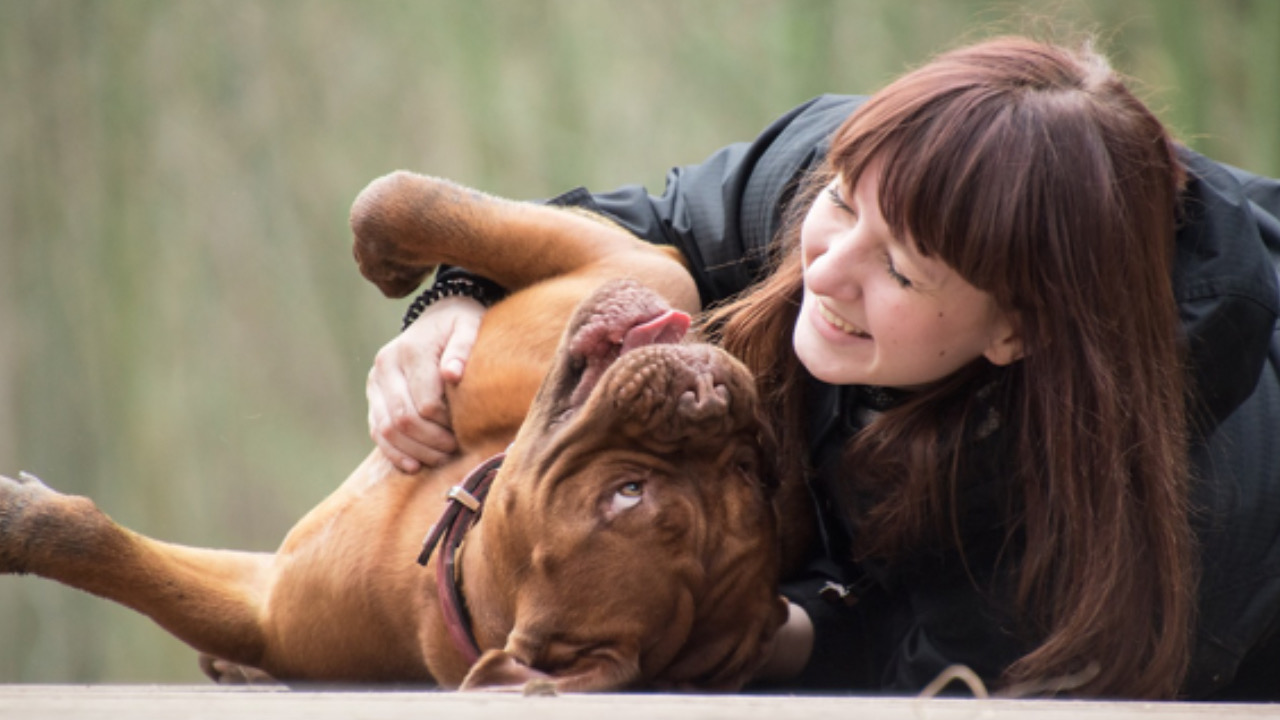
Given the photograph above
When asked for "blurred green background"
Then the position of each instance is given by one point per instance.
(184, 336)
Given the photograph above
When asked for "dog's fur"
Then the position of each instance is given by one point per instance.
(628, 540)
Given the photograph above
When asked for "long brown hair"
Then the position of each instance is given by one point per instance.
(1033, 172)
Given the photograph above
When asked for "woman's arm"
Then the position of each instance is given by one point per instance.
(724, 212)
(1225, 283)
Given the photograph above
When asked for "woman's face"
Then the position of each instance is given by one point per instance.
(877, 312)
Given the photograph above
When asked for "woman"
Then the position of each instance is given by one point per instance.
(1010, 331)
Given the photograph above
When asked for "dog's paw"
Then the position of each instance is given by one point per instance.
(383, 238)
(225, 672)
(405, 224)
(27, 480)
(18, 500)
(540, 687)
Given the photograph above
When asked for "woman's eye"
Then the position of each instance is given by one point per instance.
(837, 200)
(833, 194)
(897, 277)
(627, 496)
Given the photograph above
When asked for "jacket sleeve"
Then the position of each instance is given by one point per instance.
(1263, 194)
(1225, 282)
(723, 213)
(899, 640)
(954, 624)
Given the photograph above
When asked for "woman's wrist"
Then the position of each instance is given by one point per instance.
(453, 282)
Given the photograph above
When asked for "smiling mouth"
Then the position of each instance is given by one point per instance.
(839, 322)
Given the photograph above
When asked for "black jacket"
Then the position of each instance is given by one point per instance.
(911, 622)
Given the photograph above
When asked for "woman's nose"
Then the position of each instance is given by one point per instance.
(836, 270)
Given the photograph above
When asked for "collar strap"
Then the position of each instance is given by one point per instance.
(462, 508)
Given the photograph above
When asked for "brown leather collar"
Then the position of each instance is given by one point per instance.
(460, 512)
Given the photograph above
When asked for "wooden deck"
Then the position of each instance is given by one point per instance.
(147, 702)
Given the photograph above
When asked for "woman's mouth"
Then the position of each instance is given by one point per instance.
(838, 322)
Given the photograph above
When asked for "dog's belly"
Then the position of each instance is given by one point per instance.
(347, 600)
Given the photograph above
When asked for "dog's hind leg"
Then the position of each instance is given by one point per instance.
(210, 599)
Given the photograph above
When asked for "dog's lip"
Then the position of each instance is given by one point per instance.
(663, 326)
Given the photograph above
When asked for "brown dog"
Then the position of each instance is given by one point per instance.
(627, 540)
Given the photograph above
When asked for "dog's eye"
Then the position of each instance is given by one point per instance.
(628, 496)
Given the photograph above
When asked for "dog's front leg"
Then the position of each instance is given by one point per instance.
(405, 224)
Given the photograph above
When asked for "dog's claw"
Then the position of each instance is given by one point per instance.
(540, 687)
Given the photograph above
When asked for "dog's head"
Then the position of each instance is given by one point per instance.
(632, 516)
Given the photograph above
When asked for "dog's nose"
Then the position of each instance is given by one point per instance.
(706, 399)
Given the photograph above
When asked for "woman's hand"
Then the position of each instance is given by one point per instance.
(408, 413)
(790, 648)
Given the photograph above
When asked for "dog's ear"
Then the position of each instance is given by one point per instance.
(500, 670)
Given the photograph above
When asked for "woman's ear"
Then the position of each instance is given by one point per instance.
(1006, 340)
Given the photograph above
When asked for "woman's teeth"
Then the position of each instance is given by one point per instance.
(839, 322)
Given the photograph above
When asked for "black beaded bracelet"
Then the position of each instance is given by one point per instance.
(453, 282)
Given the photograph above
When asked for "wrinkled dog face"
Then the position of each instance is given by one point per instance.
(647, 542)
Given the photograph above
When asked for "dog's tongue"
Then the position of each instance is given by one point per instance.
(668, 327)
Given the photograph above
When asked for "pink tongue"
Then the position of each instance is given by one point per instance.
(668, 327)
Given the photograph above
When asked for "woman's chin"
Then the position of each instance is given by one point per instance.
(823, 363)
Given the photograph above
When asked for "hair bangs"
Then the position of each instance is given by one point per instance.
(953, 163)
(977, 162)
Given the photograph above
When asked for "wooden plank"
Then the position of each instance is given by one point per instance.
(145, 702)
